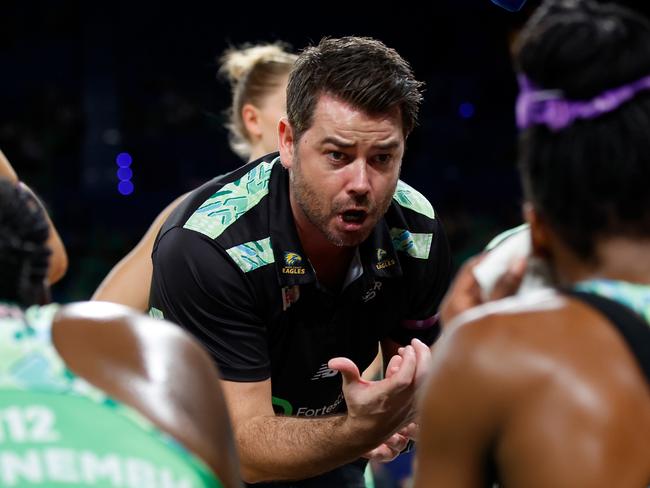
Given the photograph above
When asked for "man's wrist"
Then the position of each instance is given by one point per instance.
(358, 434)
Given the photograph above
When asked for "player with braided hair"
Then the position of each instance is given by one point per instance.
(92, 393)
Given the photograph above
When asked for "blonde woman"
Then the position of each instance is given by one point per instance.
(258, 77)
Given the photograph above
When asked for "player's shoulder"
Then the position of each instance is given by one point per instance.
(412, 222)
(220, 204)
(219, 207)
(527, 333)
(108, 344)
(110, 328)
(501, 330)
(494, 318)
(551, 347)
(148, 364)
(413, 204)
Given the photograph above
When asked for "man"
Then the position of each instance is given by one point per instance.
(318, 253)
(91, 393)
(550, 388)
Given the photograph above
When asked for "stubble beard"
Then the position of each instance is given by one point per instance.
(307, 199)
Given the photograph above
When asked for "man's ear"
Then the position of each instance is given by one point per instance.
(286, 143)
(540, 237)
(250, 115)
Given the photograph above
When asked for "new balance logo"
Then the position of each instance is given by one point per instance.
(324, 372)
(372, 292)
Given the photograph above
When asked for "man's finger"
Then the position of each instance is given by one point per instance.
(382, 453)
(393, 365)
(411, 431)
(423, 357)
(348, 369)
(397, 442)
(404, 376)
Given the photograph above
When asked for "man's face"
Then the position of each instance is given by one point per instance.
(344, 170)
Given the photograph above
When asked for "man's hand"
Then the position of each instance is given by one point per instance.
(423, 357)
(394, 445)
(465, 292)
(378, 409)
(389, 450)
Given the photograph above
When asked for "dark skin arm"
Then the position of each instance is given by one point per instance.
(166, 376)
(561, 405)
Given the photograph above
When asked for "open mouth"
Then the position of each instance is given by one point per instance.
(354, 216)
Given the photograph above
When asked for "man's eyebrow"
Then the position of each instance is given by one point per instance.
(337, 142)
(384, 146)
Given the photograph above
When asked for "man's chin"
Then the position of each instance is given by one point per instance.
(347, 239)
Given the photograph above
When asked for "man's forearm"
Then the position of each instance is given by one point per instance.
(285, 448)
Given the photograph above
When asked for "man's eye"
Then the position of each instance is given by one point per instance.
(383, 158)
(337, 156)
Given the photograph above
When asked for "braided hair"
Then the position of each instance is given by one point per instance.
(590, 180)
(24, 254)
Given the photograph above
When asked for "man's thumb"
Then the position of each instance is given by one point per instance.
(348, 369)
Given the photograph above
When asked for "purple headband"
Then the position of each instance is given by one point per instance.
(537, 106)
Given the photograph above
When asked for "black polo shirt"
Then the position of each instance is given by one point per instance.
(229, 267)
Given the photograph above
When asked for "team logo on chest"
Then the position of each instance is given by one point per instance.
(383, 259)
(293, 264)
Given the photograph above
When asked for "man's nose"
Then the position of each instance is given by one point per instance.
(359, 181)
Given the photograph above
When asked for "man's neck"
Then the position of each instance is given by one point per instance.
(331, 262)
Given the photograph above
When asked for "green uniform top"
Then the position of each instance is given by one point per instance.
(57, 430)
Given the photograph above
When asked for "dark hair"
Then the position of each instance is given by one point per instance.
(253, 72)
(24, 254)
(358, 70)
(590, 180)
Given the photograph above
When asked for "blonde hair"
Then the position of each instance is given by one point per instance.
(253, 72)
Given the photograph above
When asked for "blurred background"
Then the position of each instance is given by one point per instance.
(82, 82)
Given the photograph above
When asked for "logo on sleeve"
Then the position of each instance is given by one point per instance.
(293, 263)
(382, 262)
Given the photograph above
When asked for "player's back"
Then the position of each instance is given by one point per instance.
(58, 429)
(577, 409)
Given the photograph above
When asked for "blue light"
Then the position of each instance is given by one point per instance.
(124, 174)
(466, 110)
(124, 160)
(125, 187)
(510, 5)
